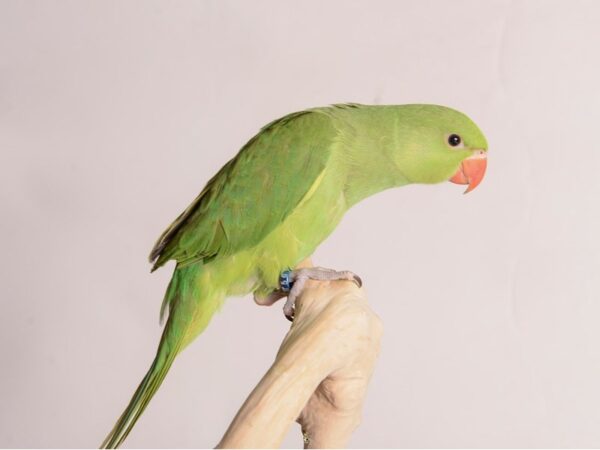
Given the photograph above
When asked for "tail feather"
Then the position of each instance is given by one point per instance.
(145, 391)
(191, 306)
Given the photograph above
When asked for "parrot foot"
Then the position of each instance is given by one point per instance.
(292, 282)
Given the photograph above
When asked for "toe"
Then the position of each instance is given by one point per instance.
(289, 315)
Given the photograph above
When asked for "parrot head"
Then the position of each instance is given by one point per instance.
(441, 144)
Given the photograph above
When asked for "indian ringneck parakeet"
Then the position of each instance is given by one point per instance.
(286, 190)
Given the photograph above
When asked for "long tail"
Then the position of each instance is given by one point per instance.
(191, 306)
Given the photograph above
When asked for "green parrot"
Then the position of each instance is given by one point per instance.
(285, 191)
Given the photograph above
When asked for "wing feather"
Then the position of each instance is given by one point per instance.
(253, 193)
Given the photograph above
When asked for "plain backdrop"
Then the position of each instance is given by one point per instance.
(113, 115)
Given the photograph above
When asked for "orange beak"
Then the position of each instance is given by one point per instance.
(471, 170)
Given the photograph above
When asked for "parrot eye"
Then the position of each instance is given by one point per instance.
(454, 140)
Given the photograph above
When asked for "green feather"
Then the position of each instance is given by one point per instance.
(191, 307)
(285, 191)
(229, 215)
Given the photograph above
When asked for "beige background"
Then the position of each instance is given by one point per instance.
(113, 115)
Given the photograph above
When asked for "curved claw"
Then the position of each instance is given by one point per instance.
(291, 282)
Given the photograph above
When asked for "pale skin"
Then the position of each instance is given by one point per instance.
(299, 277)
(320, 374)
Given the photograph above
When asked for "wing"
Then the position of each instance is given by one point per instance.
(253, 193)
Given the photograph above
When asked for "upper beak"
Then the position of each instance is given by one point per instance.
(471, 170)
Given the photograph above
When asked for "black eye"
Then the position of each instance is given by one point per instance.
(454, 140)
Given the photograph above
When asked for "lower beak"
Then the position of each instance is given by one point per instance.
(471, 170)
